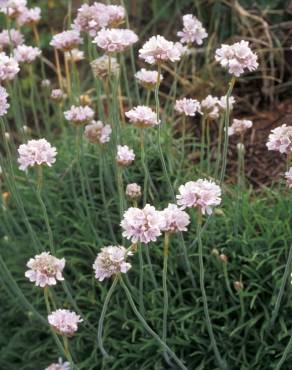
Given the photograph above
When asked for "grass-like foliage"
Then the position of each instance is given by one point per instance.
(214, 294)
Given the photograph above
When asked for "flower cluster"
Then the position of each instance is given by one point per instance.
(110, 261)
(8, 67)
(222, 102)
(13, 8)
(133, 191)
(92, 18)
(66, 40)
(157, 49)
(26, 54)
(115, 40)
(188, 107)
(102, 67)
(193, 30)
(202, 194)
(45, 269)
(280, 139)
(97, 132)
(4, 105)
(11, 38)
(64, 322)
(57, 95)
(80, 115)
(74, 55)
(59, 366)
(288, 176)
(142, 225)
(210, 107)
(142, 116)
(125, 156)
(239, 126)
(36, 152)
(29, 17)
(148, 79)
(237, 57)
(175, 219)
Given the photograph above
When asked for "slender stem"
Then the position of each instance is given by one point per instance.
(102, 316)
(144, 164)
(165, 291)
(219, 145)
(284, 355)
(148, 328)
(219, 359)
(141, 278)
(203, 134)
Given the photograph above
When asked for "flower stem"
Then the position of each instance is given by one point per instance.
(165, 291)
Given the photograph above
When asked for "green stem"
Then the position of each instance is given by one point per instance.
(165, 292)
(285, 355)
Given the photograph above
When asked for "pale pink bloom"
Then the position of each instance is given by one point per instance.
(157, 49)
(46, 83)
(188, 107)
(115, 39)
(175, 219)
(239, 126)
(36, 152)
(26, 54)
(66, 40)
(222, 102)
(116, 15)
(148, 79)
(29, 17)
(142, 116)
(133, 191)
(193, 30)
(13, 8)
(45, 269)
(57, 95)
(16, 38)
(125, 156)
(237, 57)
(142, 225)
(210, 106)
(100, 66)
(4, 105)
(59, 366)
(64, 322)
(280, 139)
(80, 115)
(110, 261)
(91, 18)
(8, 67)
(288, 176)
(202, 194)
(97, 132)
(74, 55)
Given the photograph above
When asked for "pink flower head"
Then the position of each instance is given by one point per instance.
(288, 176)
(66, 40)
(4, 105)
(142, 116)
(80, 115)
(91, 18)
(210, 106)
(74, 55)
(59, 366)
(142, 225)
(280, 139)
(202, 194)
(36, 152)
(45, 269)
(97, 132)
(64, 322)
(57, 95)
(115, 39)
(29, 17)
(188, 107)
(222, 102)
(193, 30)
(237, 57)
(133, 191)
(111, 261)
(175, 219)
(26, 54)
(101, 66)
(14, 39)
(13, 8)
(116, 14)
(148, 79)
(157, 49)
(239, 126)
(125, 155)
(8, 67)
